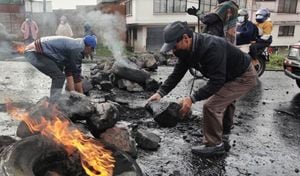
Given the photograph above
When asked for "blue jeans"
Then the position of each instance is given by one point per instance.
(50, 68)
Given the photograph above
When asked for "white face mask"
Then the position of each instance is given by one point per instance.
(241, 19)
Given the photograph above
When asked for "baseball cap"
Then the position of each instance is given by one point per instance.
(90, 40)
(172, 32)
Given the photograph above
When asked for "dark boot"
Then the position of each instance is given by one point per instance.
(208, 151)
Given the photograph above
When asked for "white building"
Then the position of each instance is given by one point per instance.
(37, 6)
(146, 19)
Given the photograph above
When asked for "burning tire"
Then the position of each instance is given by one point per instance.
(38, 156)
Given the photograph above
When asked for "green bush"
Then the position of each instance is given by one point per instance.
(102, 50)
(276, 61)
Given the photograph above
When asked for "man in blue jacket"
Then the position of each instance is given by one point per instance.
(230, 75)
(59, 57)
(246, 31)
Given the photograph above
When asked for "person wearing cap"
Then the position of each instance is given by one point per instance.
(60, 57)
(230, 75)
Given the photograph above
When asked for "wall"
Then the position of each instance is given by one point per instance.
(142, 15)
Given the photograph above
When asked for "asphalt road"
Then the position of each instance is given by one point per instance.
(265, 140)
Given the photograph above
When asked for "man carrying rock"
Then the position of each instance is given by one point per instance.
(230, 75)
(57, 54)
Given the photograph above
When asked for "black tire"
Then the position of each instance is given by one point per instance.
(298, 82)
(261, 66)
(24, 158)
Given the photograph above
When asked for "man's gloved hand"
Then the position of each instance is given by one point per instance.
(192, 11)
(186, 104)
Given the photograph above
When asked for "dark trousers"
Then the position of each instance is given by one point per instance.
(256, 48)
(49, 68)
(28, 40)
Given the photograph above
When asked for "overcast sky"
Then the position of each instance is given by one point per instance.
(71, 4)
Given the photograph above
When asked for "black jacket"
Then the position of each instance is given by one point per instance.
(215, 58)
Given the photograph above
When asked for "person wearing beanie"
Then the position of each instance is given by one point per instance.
(230, 75)
(60, 58)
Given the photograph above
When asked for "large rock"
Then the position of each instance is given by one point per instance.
(120, 137)
(148, 60)
(86, 85)
(129, 70)
(147, 140)
(166, 114)
(162, 60)
(75, 106)
(106, 116)
(129, 86)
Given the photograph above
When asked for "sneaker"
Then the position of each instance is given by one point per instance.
(207, 151)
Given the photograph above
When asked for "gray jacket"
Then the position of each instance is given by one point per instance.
(64, 51)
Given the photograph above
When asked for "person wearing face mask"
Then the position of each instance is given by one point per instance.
(221, 21)
(246, 31)
(230, 75)
(60, 58)
(64, 29)
(264, 38)
(30, 30)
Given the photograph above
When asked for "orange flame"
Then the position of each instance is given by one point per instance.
(95, 159)
(20, 49)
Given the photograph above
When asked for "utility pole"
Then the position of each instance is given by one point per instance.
(44, 6)
(198, 16)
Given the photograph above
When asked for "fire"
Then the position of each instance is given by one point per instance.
(95, 159)
(19, 47)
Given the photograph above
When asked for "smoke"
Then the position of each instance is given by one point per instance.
(5, 38)
(110, 28)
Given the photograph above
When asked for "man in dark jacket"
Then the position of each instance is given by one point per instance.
(230, 75)
(59, 57)
(246, 30)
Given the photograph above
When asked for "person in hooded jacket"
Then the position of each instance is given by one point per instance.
(221, 21)
(30, 30)
(64, 28)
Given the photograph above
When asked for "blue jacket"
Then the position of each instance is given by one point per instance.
(247, 32)
(63, 51)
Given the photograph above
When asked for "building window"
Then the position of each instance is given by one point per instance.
(169, 6)
(128, 6)
(242, 3)
(287, 6)
(286, 30)
(208, 5)
(11, 1)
